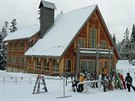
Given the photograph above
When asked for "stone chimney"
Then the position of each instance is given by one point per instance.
(46, 16)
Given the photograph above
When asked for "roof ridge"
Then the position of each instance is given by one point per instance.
(81, 8)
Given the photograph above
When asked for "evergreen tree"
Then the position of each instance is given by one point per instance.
(133, 34)
(2, 46)
(13, 27)
(114, 39)
(4, 29)
(125, 41)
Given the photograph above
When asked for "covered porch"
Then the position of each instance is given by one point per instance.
(95, 60)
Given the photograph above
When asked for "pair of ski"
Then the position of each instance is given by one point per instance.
(37, 84)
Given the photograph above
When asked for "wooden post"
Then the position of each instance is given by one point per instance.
(97, 57)
(113, 57)
(109, 60)
(78, 60)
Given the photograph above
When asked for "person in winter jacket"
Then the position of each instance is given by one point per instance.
(128, 81)
(81, 80)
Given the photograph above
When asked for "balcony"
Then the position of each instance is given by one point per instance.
(94, 52)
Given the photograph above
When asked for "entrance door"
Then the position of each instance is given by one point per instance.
(88, 65)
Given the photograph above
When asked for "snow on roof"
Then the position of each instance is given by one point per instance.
(23, 33)
(65, 28)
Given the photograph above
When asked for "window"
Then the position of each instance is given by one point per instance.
(100, 67)
(68, 65)
(88, 65)
(15, 60)
(103, 45)
(21, 60)
(81, 42)
(21, 45)
(46, 65)
(9, 59)
(55, 66)
(92, 38)
(10, 46)
(105, 66)
(38, 63)
(15, 45)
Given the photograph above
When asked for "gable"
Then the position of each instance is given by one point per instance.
(94, 21)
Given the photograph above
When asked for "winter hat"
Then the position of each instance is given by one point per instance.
(82, 74)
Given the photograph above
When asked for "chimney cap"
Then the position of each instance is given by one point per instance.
(47, 4)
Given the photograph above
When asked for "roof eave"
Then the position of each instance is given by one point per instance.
(21, 38)
(44, 56)
(15, 39)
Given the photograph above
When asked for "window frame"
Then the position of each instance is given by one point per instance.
(38, 63)
(22, 46)
(88, 60)
(81, 42)
(21, 60)
(67, 68)
(15, 46)
(55, 65)
(10, 46)
(93, 37)
(103, 44)
(46, 65)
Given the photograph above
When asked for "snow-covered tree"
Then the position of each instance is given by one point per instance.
(13, 27)
(125, 41)
(133, 34)
(4, 29)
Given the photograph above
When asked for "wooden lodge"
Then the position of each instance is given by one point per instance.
(67, 44)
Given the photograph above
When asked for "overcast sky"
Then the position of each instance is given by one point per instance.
(118, 14)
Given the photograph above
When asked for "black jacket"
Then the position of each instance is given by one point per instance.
(128, 79)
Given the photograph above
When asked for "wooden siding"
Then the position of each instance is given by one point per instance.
(17, 49)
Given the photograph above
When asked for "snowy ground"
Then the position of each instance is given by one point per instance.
(19, 87)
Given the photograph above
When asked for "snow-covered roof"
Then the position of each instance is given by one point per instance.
(23, 33)
(65, 28)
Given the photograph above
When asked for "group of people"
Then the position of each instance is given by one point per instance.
(116, 81)
(112, 81)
